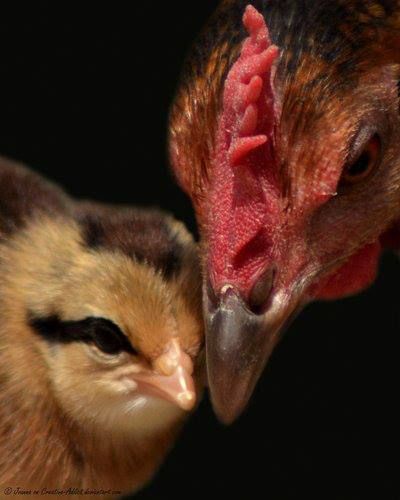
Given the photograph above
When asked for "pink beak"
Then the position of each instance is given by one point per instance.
(171, 379)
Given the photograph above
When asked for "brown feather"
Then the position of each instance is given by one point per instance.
(58, 427)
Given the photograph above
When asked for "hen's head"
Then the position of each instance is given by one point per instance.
(302, 181)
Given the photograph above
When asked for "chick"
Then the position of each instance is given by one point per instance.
(100, 337)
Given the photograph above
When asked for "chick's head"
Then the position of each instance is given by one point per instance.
(113, 309)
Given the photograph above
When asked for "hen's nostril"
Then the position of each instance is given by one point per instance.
(261, 291)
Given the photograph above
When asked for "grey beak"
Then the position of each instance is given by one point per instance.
(239, 344)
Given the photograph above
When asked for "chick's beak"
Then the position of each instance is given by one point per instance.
(171, 378)
(239, 344)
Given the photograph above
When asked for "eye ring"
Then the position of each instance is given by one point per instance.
(360, 168)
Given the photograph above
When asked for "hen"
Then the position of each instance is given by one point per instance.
(285, 134)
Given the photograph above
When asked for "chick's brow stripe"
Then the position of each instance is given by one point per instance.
(54, 330)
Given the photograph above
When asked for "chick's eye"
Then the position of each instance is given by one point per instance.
(357, 170)
(108, 338)
(107, 342)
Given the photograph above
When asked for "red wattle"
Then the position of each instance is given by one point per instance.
(358, 273)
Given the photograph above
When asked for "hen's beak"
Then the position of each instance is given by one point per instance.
(239, 344)
(171, 378)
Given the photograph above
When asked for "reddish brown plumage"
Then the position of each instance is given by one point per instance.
(335, 87)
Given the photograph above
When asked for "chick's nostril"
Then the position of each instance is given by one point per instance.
(261, 291)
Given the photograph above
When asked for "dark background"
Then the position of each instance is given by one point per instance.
(84, 96)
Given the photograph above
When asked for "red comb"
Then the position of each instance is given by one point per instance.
(244, 86)
(243, 163)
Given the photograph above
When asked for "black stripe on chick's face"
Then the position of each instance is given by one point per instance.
(103, 333)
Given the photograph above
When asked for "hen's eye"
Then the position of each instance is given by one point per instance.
(359, 169)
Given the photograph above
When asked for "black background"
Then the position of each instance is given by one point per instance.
(84, 97)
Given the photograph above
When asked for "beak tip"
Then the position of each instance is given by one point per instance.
(227, 405)
(226, 416)
(186, 400)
